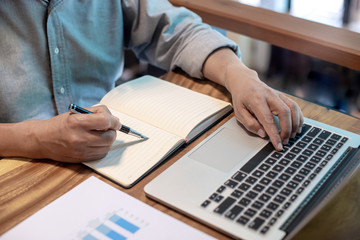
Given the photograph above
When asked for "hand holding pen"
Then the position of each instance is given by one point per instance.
(125, 129)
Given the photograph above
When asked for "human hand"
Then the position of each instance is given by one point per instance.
(254, 102)
(71, 137)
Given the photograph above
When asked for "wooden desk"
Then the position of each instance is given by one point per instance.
(28, 185)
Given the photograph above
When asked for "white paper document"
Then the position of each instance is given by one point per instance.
(95, 210)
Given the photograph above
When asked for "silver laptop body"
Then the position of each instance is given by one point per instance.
(237, 183)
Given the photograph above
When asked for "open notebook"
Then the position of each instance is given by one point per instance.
(169, 115)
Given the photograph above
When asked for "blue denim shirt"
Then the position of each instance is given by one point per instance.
(57, 52)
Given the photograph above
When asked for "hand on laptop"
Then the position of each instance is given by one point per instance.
(254, 102)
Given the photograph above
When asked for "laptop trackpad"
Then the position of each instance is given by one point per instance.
(226, 149)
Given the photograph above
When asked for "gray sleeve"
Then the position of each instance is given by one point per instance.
(170, 37)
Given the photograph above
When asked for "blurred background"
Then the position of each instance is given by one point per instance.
(315, 80)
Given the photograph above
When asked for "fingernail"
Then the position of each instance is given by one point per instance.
(280, 147)
(300, 130)
(261, 133)
(293, 135)
(285, 141)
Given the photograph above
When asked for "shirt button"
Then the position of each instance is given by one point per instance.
(61, 90)
(56, 50)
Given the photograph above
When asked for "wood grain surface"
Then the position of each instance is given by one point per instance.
(28, 185)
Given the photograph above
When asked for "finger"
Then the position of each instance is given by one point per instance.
(89, 154)
(99, 120)
(280, 109)
(250, 122)
(266, 119)
(296, 115)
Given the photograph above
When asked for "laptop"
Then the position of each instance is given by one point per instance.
(236, 183)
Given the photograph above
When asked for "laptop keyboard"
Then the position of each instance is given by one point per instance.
(265, 187)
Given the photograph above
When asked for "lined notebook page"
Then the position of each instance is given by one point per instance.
(130, 157)
(162, 104)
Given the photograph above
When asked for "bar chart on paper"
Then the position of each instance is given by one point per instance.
(94, 210)
(120, 225)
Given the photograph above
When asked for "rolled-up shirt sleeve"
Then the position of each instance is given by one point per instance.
(170, 37)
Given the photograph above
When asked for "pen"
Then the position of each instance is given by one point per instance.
(76, 109)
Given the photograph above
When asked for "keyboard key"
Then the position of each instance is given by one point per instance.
(318, 169)
(278, 183)
(312, 176)
(242, 220)
(250, 212)
(339, 145)
(264, 197)
(270, 161)
(205, 203)
(251, 195)
(324, 134)
(313, 147)
(300, 190)
(279, 199)
(234, 212)
(273, 174)
(257, 173)
(329, 157)
(326, 148)
(318, 141)
(251, 180)
(292, 185)
(307, 152)
(301, 144)
(293, 197)
(231, 183)
(304, 129)
(265, 181)
(313, 132)
(256, 223)
(323, 163)
(244, 202)
(257, 205)
(306, 183)
(306, 139)
(218, 198)
(213, 196)
(284, 162)
(221, 189)
(284, 177)
(290, 156)
(258, 188)
(302, 158)
(331, 142)
(304, 171)
(239, 176)
(244, 186)
(286, 205)
(335, 137)
(309, 165)
(271, 190)
(295, 150)
(265, 213)
(298, 178)
(264, 230)
(264, 167)
(279, 213)
(286, 192)
(296, 164)
(344, 139)
(276, 155)
(257, 159)
(236, 194)
(272, 221)
(278, 168)
(315, 159)
(272, 206)
(225, 205)
(290, 170)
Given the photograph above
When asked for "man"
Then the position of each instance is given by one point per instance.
(56, 52)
